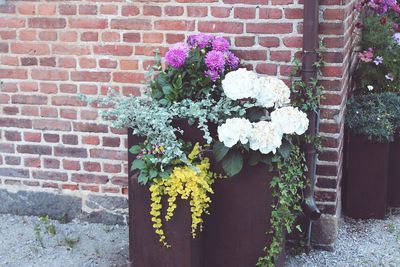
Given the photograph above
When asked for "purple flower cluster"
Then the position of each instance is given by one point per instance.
(177, 55)
(200, 40)
(381, 7)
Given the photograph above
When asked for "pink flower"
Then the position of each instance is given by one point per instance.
(215, 60)
(220, 44)
(367, 55)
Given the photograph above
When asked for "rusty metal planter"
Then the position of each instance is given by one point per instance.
(394, 174)
(367, 178)
(234, 233)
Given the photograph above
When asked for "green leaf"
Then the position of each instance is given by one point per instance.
(153, 173)
(135, 149)
(285, 149)
(164, 102)
(254, 158)
(167, 89)
(220, 150)
(232, 162)
(138, 164)
(143, 178)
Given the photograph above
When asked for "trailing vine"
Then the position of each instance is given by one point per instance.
(290, 181)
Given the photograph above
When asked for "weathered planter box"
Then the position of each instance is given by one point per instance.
(367, 178)
(234, 234)
(394, 173)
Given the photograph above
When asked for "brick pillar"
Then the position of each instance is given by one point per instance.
(336, 31)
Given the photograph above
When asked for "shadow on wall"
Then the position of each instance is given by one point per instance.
(91, 208)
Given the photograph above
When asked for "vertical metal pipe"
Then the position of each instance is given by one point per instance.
(309, 72)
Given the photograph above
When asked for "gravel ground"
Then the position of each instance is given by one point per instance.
(360, 243)
(39, 242)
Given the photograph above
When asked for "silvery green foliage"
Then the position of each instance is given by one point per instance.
(149, 119)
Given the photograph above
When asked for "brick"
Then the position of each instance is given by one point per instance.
(108, 154)
(34, 149)
(71, 165)
(68, 88)
(29, 99)
(68, 114)
(32, 162)
(27, 35)
(108, 189)
(128, 77)
(111, 141)
(93, 188)
(14, 172)
(32, 49)
(270, 13)
(70, 139)
(81, 23)
(7, 148)
(49, 75)
(90, 140)
(152, 11)
(220, 12)
(3, 48)
(244, 13)
(51, 138)
(12, 160)
(7, 8)
(90, 76)
(269, 28)
(29, 61)
(131, 37)
(56, 125)
(174, 25)
(48, 112)
(67, 101)
(67, 9)
(130, 11)
(68, 37)
(17, 123)
(131, 24)
(197, 11)
(70, 186)
(88, 10)
(173, 10)
(48, 36)
(47, 23)
(87, 63)
(32, 137)
(12, 23)
(108, 9)
(50, 175)
(70, 152)
(70, 50)
(89, 178)
(110, 36)
(108, 64)
(221, 27)
(50, 163)
(90, 127)
(115, 50)
(12, 136)
(129, 64)
(89, 36)
(89, 114)
(67, 62)
(92, 166)
(111, 168)
(153, 37)
(47, 9)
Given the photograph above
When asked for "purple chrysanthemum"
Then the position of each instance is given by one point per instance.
(200, 40)
(220, 44)
(232, 60)
(177, 55)
(215, 60)
(212, 74)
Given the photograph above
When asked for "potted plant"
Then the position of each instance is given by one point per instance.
(369, 117)
(215, 160)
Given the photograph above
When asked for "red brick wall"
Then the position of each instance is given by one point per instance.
(52, 50)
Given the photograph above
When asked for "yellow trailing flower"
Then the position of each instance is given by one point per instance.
(192, 183)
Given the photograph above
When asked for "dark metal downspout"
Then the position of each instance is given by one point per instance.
(309, 71)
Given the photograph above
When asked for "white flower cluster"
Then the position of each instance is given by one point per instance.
(265, 136)
(268, 91)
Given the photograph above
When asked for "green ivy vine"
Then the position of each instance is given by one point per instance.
(289, 183)
(287, 187)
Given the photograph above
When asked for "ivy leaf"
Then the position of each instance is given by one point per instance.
(232, 162)
(220, 150)
(143, 178)
(285, 149)
(153, 173)
(138, 164)
(254, 158)
(135, 149)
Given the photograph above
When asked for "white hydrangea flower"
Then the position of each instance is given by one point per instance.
(233, 131)
(239, 84)
(290, 120)
(272, 92)
(265, 136)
